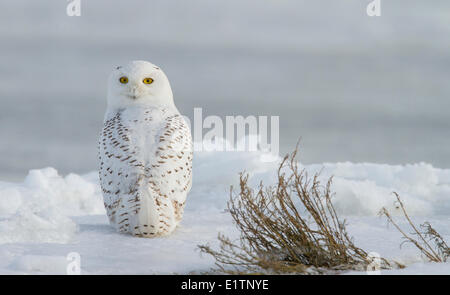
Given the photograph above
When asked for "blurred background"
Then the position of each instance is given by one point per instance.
(354, 88)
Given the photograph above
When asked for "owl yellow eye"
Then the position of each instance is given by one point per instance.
(148, 81)
(123, 80)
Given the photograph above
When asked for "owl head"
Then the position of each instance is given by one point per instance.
(139, 83)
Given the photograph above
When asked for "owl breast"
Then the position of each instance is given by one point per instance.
(145, 169)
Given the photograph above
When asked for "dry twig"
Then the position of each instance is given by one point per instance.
(439, 253)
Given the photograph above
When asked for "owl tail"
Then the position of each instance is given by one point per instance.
(153, 215)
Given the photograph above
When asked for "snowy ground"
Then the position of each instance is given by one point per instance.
(47, 216)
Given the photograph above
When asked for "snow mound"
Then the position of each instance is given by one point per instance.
(38, 209)
(362, 189)
(41, 208)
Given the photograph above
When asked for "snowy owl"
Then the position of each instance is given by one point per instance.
(145, 152)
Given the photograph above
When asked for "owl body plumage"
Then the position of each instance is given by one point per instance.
(145, 155)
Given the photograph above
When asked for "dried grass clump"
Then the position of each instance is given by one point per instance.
(440, 252)
(291, 227)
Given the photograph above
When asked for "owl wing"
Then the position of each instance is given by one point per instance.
(120, 171)
(170, 173)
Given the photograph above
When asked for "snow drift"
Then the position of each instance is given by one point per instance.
(50, 208)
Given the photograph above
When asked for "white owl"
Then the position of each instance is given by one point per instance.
(145, 152)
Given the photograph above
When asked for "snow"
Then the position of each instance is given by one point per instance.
(48, 216)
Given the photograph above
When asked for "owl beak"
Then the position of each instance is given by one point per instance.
(134, 92)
